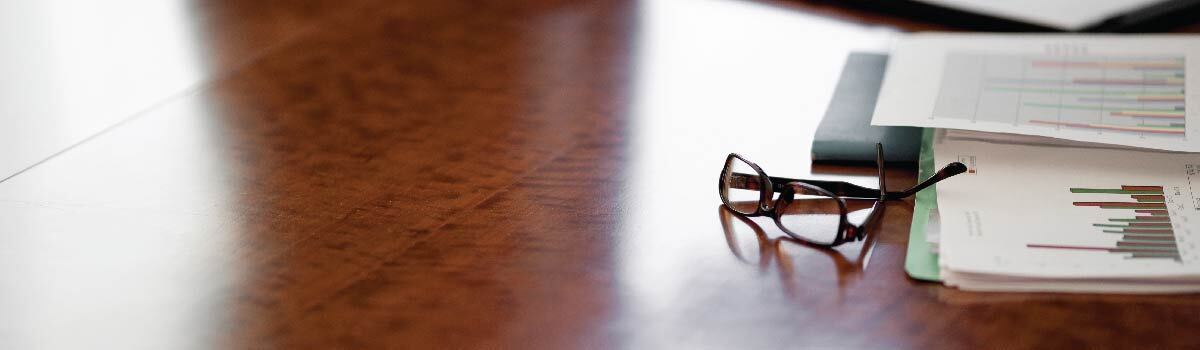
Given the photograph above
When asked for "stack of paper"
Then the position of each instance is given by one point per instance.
(1080, 176)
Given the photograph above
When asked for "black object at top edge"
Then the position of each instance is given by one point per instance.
(1158, 17)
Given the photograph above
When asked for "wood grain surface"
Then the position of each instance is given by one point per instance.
(459, 174)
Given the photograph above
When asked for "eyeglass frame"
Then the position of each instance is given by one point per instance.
(838, 190)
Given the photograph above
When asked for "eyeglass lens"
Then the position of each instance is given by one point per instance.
(812, 215)
(740, 186)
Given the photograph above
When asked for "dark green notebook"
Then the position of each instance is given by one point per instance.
(846, 133)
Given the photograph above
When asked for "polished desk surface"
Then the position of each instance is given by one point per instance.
(456, 174)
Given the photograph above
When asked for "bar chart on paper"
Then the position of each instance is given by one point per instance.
(1134, 221)
(1118, 96)
(1137, 219)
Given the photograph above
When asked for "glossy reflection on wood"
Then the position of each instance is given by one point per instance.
(454, 174)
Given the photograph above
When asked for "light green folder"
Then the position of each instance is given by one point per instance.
(920, 263)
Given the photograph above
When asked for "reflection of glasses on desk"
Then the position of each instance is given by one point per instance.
(809, 210)
(750, 243)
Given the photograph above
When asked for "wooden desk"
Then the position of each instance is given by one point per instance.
(457, 174)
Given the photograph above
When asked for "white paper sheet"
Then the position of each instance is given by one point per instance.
(933, 230)
(1054, 212)
(1120, 90)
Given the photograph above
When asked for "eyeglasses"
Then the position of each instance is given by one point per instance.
(810, 210)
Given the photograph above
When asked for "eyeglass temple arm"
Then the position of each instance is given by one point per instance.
(946, 172)
(779, 184)
(846, 189)
(842, 189)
